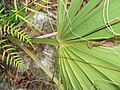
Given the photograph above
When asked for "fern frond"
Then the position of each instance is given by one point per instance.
(17, 32)
(1, 41)
(36, 3)
(32, 10)
(10, 56)
(2, 9)
(25, 19)
(46, 1)
(15, 5)
(2, 16)
(18, 13)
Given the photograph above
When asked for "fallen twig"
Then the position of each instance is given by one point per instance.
(47, 35)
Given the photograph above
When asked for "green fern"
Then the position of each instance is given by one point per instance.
(19, 13)
(10, 56)
(16, 31)
(9, 23)
(10, 27)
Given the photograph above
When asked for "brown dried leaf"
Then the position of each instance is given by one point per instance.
(90, 44)
(104, 43)
(110, 44)
(19, 79)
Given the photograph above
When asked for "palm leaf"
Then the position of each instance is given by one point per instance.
(83, 68)
(89, 17)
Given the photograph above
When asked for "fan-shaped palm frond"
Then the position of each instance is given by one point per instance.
(83, 68)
